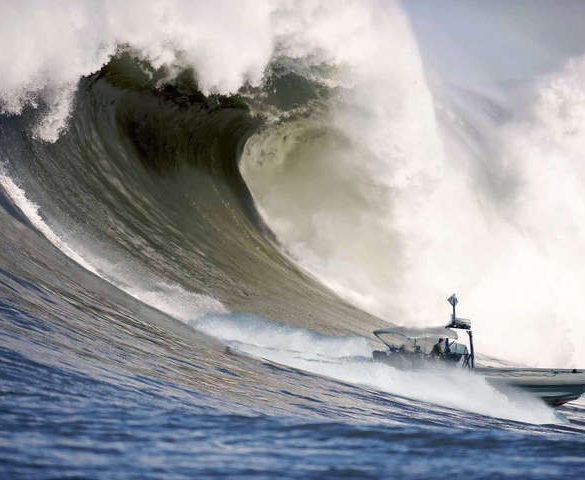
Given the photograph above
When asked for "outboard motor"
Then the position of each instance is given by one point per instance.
(379, 354)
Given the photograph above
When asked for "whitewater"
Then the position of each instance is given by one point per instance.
(206, 209)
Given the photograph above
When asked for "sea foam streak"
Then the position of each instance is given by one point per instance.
(347, 359)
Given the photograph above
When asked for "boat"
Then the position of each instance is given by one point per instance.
(424, 348)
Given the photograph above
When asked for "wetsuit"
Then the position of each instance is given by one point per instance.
(436, 351)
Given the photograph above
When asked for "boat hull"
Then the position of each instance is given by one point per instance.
(555, 386)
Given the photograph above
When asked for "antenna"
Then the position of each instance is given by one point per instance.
(465, 325)
(453, 301)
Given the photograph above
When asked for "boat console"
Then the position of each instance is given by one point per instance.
(414, 347)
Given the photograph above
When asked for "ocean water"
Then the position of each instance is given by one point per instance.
(206, 209)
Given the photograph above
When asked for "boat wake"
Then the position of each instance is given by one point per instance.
(348, 359)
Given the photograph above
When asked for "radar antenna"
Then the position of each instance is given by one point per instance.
(465, 325)
(453, 301)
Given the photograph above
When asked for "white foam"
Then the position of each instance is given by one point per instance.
(228, 42)
(174, 300)
(31, 211)
(367, 200)
(340, 190)
(346, 359)
(252, 330)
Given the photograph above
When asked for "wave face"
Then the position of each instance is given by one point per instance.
(204, 215)
(156, 171)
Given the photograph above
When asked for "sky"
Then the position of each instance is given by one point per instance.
(496, 40)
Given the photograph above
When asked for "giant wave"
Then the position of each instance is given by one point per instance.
(222, 215)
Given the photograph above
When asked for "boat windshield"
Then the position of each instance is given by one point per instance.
(413, 339)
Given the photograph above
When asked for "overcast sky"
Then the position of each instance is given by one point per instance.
(497, 40)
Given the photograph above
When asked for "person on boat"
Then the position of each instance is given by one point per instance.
(437, 350)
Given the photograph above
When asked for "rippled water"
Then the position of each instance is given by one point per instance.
(118, 402)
